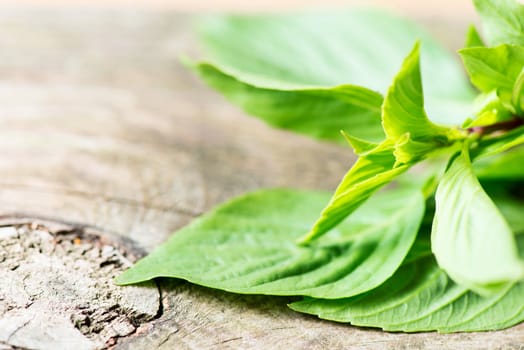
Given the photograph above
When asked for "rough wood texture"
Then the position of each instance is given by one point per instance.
(57, 291)
(102, 126)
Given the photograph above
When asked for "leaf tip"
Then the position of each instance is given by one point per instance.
(128, 277)
(360, 147)
(121, 280)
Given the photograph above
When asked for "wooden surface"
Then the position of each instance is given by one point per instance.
(57, 290)
(101, 126)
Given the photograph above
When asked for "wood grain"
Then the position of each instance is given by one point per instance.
(102, 126)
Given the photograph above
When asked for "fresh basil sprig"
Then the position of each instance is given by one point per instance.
(440, 250)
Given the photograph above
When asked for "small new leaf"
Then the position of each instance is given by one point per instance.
(404, 119)
(473, 38)
(408, 150)
(403, 109)
(360, 147)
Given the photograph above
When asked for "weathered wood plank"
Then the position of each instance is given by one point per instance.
(103, 127)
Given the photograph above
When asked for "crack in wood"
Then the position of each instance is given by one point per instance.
(167, 337)
(11, 347)
(227, 341)
(22, 326)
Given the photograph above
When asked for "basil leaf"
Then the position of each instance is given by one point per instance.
(248, 246)
(509, 199)
(473, 38)
(512, 209)
(421, 297)
(470, 238)
(408, 151)
(503, 21)
(490, 109)
(289, 56)
(317, 112)
(360, 147)
(403, 109)
(404, 119)
(370, 172)
(494, 68)
(494, 145)
(503, 167)
(411, 136)
(517, 97)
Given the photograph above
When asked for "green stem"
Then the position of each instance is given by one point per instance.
(505, 125)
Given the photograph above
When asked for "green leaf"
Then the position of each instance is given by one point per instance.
(404, 119)
(517, 97)
(489, 109)
(403, 109)
(470, 238)
(286, 56)
(410, 137)
(421, 297)
(317, 112)
(490, 146)
(508, 196)
(503, 21)
(360, 147)
(370, 172)
(512, 209)
(248, 245)
(473, 38)
(509, 199)
(494, 68)
(503, 167)
(409, 151)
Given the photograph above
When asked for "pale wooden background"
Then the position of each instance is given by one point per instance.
(447, 8)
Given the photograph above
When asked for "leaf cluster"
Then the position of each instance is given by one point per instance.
(441, 249)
